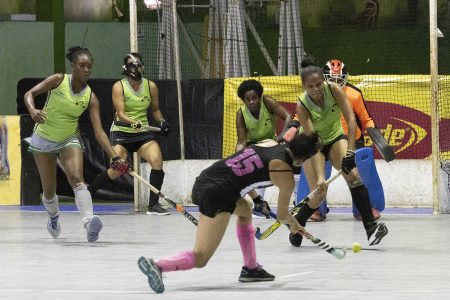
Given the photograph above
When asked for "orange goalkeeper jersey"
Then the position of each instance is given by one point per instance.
(362, 116)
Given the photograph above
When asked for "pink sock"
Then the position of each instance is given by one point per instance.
(246, 237)
(184, 260)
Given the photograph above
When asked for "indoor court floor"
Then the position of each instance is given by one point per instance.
(412, 262)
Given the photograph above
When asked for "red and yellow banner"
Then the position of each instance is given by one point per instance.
(285, 89)
(399, 104)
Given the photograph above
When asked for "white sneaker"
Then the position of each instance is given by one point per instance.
(53, 226)
(93, 227)
(153, 273)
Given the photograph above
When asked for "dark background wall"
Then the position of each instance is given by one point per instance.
(395, 40)
(203, 125)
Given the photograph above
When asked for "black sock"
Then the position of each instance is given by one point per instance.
(304, 214)
(101, 181)
(360, 196)
(156, 179)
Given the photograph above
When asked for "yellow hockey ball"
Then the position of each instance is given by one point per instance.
(356, 247)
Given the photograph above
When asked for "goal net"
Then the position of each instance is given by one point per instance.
(384, 44)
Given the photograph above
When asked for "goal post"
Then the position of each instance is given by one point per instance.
(434, 85)
(138, 205)
(171, 45)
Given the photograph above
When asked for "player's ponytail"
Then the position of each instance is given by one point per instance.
(75, 51)
(309, 67)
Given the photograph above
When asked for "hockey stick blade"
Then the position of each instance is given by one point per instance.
(381, 144)
(266, 233)
(339, 253)
(178, 207)
(263, 235)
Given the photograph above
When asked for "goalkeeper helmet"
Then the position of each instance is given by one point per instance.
(335, 71)
(134, 68)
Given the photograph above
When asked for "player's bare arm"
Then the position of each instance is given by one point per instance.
(304, 118)
(347, 112)
(241, 131)
(100, 135)
(47, 84)
(157, 115)
(282, 177)
(276, 108)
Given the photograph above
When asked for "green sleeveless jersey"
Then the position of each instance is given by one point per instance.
(261, 128)
(136, 104)
(63, 109)
(326, 120)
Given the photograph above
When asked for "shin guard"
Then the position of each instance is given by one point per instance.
(181, 261)
(83, 200)
(246, 237)
(304, 214)
(51, 205)
(360, 197)
(156, 179)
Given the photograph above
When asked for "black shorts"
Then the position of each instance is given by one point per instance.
(326, 148)
(212, 199)
(131, 141)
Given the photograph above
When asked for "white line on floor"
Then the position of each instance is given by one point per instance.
(295, 274)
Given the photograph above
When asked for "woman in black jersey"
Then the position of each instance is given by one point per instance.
(219, 192)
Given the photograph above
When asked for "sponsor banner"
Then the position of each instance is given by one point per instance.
(399, 105)
(10, 160)
(285, 89)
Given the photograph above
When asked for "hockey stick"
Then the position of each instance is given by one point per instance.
(339, 253)
(270, 215)
(381, 144)
(265, 234)
(142, 128)
(178, 207)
